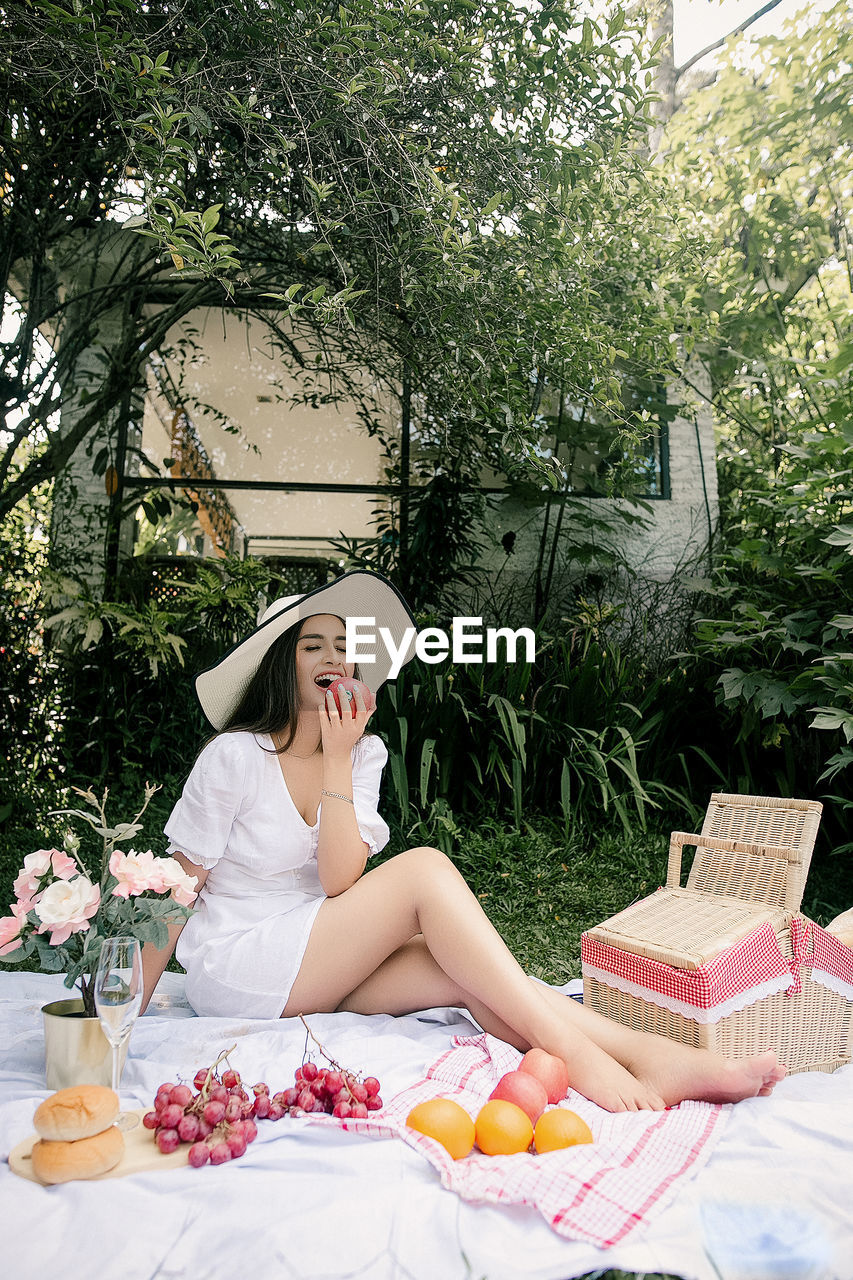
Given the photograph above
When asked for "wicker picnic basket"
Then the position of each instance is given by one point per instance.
(728, 963)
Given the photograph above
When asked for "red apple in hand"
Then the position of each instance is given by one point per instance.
(524, 1090)
(343, 691)
(550, 1071)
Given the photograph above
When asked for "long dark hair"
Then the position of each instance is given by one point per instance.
(270, 702)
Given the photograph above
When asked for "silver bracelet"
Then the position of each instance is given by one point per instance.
(335, 795)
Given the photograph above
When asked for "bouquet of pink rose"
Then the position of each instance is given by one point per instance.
(63, 914)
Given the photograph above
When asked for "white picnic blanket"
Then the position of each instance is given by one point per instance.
(769, 1195)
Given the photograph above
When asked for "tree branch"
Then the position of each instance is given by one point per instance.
(718, 44)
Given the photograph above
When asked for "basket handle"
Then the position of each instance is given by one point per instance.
(679, 839)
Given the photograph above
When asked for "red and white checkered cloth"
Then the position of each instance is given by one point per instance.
(746, 969)
(750, 963)
(597, 1192)
(831, 962)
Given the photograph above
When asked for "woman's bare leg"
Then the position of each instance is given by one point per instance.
(411, 979)
(356, 937)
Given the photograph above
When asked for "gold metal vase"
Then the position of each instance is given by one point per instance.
(76, 1051)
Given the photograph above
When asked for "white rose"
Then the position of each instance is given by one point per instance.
(65, 901)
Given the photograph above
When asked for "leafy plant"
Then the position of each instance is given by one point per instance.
(766, 152)
(146, 633)
(436, 186)
(562, 735)
(129, 893)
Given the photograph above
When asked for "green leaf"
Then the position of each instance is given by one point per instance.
(51, 959)
(841, 536)
(841, 361)
(92, 634)
(566, 791)
(427, 756)
(400, 781)
(836, 764)
(513, 730)
(831, 718)
(615, 23)
(210, 217)
(517, 792)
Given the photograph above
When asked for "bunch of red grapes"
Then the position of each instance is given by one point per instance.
(330, 1089)
(219, 1119)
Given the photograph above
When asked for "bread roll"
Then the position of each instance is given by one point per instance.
(79, 1112)
(842, 928)
(85, 1158)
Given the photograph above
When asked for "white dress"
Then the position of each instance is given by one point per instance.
(244, 942)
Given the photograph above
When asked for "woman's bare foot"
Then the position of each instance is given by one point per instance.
(605, 1081)
(665, 1069)
(733, 1079)
(681, 1072)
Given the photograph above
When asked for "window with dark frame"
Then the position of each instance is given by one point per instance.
(608, 458)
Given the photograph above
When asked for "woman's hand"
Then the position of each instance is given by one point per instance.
(341, 851)
(339, 732)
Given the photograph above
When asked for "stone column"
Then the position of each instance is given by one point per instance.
(86, 533)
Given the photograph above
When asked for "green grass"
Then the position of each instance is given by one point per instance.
(541, 889)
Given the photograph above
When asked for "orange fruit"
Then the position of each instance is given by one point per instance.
(447, 1122)
(560, 1128)
(503, 1129)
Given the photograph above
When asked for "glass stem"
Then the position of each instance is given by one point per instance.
(115, 1050)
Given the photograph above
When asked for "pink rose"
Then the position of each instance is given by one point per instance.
(66, 907)
(182, 886)
(63, 866)
(35, 866)
(10, 929)
(136, 873)
(24, 886)
(37, 863)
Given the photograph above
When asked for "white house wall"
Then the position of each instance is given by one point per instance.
(675, 533)
(279, 442)
(273, 440)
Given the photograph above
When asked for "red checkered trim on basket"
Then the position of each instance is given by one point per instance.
(814, 948)
(754, 960)
(598, 1192)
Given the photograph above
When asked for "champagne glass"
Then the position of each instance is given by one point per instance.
(118, 999)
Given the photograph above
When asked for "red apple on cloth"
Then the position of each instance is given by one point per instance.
(524, 1090)
(550, 1071)
(343, 691)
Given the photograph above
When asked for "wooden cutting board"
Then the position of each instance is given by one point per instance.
(140, 1155)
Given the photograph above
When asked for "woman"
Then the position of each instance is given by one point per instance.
(276, 823)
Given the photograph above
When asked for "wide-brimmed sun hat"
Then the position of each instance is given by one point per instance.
(354, 595)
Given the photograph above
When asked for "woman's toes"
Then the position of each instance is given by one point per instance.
(771, 1080)
(650, 1100)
